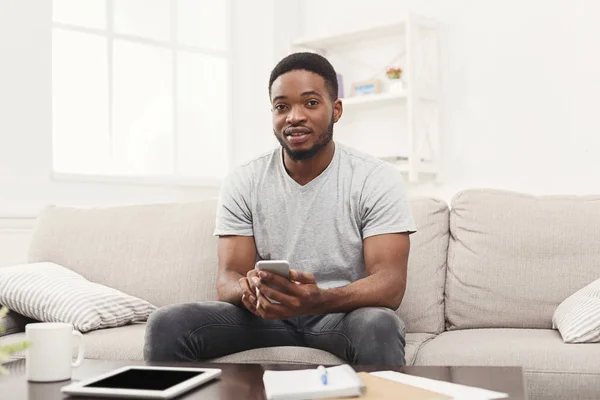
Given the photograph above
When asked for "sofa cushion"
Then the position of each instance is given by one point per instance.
(162, 253)
(49, 292)
(166, 253)
(422, 308)
(577, 318)
(553, 369)
(123, 343)
(282, 354)
(513, 258)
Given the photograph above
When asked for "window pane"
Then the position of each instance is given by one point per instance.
(146, 18)
(79, 103)
(143, 109)
(202, 118)
(202, 23)
(88, 13)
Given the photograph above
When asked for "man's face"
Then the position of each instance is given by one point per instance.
(303, 113)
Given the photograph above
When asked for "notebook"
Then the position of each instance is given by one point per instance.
(342, 381)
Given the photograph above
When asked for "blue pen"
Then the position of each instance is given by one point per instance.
(323, 373)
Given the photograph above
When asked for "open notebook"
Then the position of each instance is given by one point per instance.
(342, 381)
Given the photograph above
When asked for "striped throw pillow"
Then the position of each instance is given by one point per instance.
(49, 292)
(577, 318)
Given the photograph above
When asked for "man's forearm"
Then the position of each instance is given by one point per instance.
(228, 288)
(378, 290)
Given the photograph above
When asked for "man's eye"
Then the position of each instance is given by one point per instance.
(280, 107)
(312, 103)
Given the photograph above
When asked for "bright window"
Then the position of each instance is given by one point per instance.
(140, 88)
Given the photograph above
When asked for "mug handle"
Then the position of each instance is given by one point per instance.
(81, 350)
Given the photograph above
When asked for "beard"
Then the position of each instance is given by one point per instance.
(322, 140)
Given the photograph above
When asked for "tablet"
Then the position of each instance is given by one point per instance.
(143, 382)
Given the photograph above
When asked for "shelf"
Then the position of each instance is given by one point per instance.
(415, 110)
(321, 42)
(380, 98)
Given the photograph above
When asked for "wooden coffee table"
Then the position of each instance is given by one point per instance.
(244, 381)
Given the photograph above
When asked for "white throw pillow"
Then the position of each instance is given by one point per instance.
(577, 318)
(49, 292)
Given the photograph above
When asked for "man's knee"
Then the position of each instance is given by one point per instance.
(377, 334)
(168, 328)
(163, 332)
(378, 321)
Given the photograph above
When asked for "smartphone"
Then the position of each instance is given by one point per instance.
(279, 267)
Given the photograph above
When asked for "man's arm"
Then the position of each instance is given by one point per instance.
(236, 256)
(386, 259)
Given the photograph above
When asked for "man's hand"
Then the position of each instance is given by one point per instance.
(299, 296)
(249, 299)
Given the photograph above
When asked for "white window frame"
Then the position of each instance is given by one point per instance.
(174, 47)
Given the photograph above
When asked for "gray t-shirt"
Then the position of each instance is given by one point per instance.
(318, 227)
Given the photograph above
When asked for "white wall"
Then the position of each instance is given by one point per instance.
(25, 123)
(254, 54)
(26, 114)
(265, 29)
(519, 88)
(520, 84)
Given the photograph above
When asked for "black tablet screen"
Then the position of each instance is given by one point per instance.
(144, 379)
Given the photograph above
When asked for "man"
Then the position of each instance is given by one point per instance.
(339, 217)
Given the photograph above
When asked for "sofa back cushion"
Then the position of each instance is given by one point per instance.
(166, 253)
(422, 308)
(514, 257)
(162, 253)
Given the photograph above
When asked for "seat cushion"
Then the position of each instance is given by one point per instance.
(283, 354)
(422, 308)
(513, 258)
(553, 369)
(122, 343)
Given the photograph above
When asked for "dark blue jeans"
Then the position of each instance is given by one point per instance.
(202, 331)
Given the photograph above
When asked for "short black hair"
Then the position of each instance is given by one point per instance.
(309, 62)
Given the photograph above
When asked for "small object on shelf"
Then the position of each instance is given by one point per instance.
(397, 86)
(394, 72)
(366, 87)
(395, 76)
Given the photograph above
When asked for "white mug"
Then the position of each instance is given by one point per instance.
(49, 357)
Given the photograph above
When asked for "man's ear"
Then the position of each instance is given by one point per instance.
(338, 110)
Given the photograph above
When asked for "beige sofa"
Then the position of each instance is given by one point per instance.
(485, 276)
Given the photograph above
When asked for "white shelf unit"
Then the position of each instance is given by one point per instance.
(379, 98)
(410, 140)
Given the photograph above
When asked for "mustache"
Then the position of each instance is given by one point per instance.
(297, 127)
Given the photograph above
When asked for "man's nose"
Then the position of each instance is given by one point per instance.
(295, 116)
